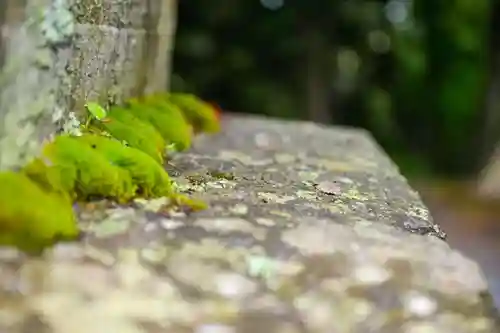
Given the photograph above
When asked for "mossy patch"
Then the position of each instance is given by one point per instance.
(168, 120)
(118, 156)
(48, 217)
(222, 175)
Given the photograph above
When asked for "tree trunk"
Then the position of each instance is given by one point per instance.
(491, 119)
(317, 78)
(489, 182)
(160, 44)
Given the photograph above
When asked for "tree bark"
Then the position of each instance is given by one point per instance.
(317, 72)
(160, 44)
(491, 115)
(489, 180)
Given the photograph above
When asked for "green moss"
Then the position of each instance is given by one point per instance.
(196, 179)
(222, 175)
(53, 178)
(151, 179)
(167, 119)
(69, 168)
(36, 221)
(91, 166)
(190, 203)
(134, 136)
(154, 145)
(95, 176)
(200, 114)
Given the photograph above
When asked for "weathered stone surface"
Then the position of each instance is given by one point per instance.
(58, 54)
(26, 85)
(113, 13)
(309, 230)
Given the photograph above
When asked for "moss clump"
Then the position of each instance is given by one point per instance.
(201, 116)
(154, 137)
(59, 179)
(121, 124)
(68, 165)
(222, 175)
(199, 113)
(32, 218)
(124, 165)
(167, 119)
(149, 177)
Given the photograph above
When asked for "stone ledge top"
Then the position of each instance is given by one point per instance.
(311, 229)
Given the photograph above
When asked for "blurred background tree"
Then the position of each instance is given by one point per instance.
(414, 73)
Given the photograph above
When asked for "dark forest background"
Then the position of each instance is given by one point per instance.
(420, 75)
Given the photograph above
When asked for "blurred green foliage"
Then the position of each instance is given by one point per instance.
(412, 72)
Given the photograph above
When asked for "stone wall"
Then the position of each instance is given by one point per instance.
(58, 54)
(310, 229)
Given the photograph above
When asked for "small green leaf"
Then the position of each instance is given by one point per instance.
(172, 148)
(96, 110)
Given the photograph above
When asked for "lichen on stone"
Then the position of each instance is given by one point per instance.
(29, 105)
